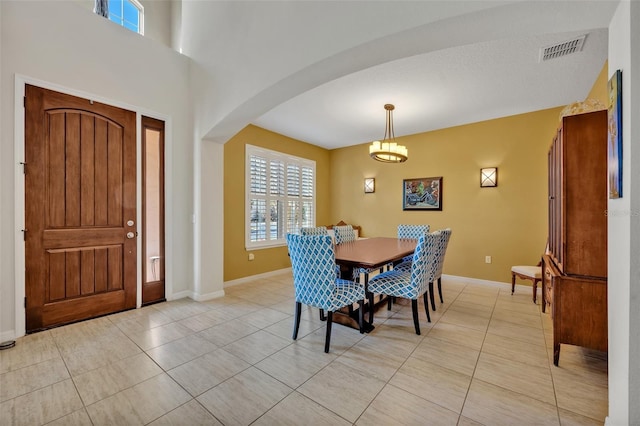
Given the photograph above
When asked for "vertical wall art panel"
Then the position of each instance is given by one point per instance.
(615, 135)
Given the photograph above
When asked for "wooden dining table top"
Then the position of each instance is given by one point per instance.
(373, 252)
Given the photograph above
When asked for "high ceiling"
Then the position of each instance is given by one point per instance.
(321, 72)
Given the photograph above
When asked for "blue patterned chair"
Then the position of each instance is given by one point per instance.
(313, 264)
(318, 230)
(444, 243)
(410, 283)
(411, 232)
(436, 272)
(344, 234)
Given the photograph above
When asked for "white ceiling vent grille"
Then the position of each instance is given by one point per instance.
(562, 49)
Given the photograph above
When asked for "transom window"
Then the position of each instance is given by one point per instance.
(280, 190)
(128, 13)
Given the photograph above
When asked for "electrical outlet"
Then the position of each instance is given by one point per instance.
(487, 259)
(251, 256)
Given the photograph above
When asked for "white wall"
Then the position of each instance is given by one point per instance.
(624, 229)
(71, 47)
(634, 296)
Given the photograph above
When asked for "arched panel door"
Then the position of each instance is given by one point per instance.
(80, 209)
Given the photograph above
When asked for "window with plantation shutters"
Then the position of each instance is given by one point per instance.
(280, 196)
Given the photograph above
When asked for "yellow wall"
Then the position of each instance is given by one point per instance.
(236, 263)
(508, 222)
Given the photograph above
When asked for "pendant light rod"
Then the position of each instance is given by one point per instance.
(388, 151)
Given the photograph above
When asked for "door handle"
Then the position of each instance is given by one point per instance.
(131, 235)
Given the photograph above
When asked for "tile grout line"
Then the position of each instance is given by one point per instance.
(479, 354)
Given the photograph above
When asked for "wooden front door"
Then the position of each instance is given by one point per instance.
(80, 209)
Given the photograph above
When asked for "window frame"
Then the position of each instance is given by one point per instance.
(137, 5)
(288, 160)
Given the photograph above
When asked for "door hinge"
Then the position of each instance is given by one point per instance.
(24, 234)
(24, 167)
(24, 101)
(25, 302)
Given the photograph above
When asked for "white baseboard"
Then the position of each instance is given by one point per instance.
(250, 278)
(7, 335)
(180, 295)
(488, 282)
(475, 280)
(197, 297)
(207, 296)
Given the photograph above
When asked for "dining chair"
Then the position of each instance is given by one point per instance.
(409, 283)
(445, 236)
(344, 234)
(315, 282)
(526, 272)
(436, 266)
(314, 230)
(319, 230)
(411, 232)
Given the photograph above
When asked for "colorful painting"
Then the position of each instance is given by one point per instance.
(615, 135)
(422, 194)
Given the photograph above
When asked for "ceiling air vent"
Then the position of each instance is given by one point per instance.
(562, 49)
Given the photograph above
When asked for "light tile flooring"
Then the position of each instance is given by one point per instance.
(484, 359)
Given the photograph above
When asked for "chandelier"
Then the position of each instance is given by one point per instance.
(388, 151)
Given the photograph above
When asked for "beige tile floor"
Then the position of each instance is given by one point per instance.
(484, 360)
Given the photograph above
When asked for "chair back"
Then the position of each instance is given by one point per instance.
(412, 232)
(318, 230)
(313, 264)
(424, 258)
(445, 235)
(344, 234)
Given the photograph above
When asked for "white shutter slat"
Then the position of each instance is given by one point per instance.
(280, 196)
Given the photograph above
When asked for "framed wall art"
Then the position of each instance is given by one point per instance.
(615, 135)
(422, 193)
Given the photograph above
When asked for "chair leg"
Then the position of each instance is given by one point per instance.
(440, 289)
(361, 315)
(535, 290)
(513, 282)
(327, 340)
(426, 306)
(414, 308)
(322, 317)
(371, 308)
(432, 297)
(389, 302)
(296, 320)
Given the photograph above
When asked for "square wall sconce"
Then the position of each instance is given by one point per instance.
(369, 185)
(488, 177)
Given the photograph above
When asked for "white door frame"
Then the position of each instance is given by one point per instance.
(19, 186)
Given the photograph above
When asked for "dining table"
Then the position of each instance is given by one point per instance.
(369, 254)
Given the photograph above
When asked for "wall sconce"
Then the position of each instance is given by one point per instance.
(488, 177)
(369, 185)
